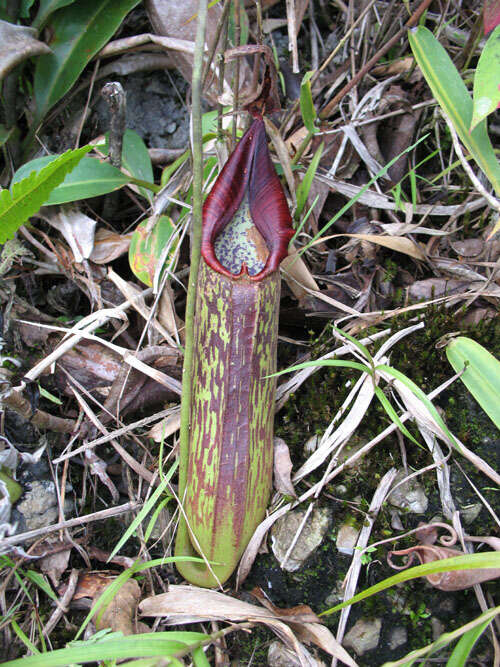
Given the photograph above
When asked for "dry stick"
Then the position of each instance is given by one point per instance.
(114, 95)
(329, 59)
(292, 34)
(325, 112)
(183, 544)
(15, 401)
(220, 28)
(373, 61)
(78, 521)
(352, 576)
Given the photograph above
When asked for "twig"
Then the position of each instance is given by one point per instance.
(77, 521)
(62, 604)
(114, 95)
(292, 34)
(15, 401)
(374, 60)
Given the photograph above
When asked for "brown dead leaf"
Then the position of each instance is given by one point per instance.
(55, 564)
(189, 604)
(120, 614)
(283, 468)
(109, 245)
(92, 584)
(301, 613)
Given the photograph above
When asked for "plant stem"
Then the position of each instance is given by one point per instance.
(195, 260)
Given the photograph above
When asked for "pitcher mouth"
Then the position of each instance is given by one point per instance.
(248, 171)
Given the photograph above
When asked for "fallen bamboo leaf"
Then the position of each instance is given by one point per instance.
(189, 604)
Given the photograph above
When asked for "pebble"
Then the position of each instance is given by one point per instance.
(364, 635)
(409, 495)
(347, 538)
(38, 507)
(278, 655)
(311, 536)
(398, 637)
(469, 513)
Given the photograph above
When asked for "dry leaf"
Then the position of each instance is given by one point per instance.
(55, 564)
(76, 227)
(120, 614)
(282, 468)
(18, 42)
(189, 604)
(109, 245)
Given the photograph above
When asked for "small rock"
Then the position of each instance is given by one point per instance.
(437, 628)
(279, 656)
(171, 128)
(336, 596)
(311, 445)
(311, 536)
(398, 637)
(39, 505)
(409, 495)
(347, 538)
(469, 513)
(364, 635)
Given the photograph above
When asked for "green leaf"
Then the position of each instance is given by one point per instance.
(453, 97)
(27, 195)
(487, 80)
(92, 177)
(326, 362)
(415, 389)
(306, 103)
(40, 581)
(5, 134)
(135, 646)
(393, 414)
(487, 560)
(78, 33)
(305, 185)
(24, 10)
(46, 8)
(481, 375)
(448, 638)
(464, 646)
(135, 159)
(146, 249)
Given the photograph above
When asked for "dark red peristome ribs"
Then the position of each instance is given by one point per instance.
(249, 169)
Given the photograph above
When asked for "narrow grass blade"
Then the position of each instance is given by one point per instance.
(488, 560)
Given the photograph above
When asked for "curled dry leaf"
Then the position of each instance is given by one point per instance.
(283, 468)
(189, 604)
(17, 42)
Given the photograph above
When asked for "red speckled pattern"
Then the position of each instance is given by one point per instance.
(249, 168)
